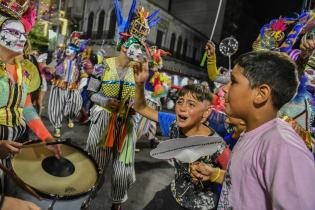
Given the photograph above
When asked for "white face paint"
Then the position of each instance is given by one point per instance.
(134, 52)
(13, 36)
(70, 51)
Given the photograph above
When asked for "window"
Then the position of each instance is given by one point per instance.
(184, 49)
(159, 38)
(90, 25)
(112, 25)
(179, 47)
(172, 45)
(101, 20)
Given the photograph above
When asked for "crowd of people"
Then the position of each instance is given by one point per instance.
(263, 109)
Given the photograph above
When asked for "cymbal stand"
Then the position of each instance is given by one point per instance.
(51, 206)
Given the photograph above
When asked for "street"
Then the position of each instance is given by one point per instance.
(152, 175)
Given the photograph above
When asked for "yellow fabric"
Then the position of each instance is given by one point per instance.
(33, 80)
(110, 89)
(10, 107)
(213, 72)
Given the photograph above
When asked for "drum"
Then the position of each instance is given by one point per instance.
(66, 183)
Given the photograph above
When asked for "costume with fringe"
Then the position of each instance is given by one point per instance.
(113, 134)
(65, 98)
(17, 81)
(280, 35)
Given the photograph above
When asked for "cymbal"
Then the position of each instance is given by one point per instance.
(74, 174)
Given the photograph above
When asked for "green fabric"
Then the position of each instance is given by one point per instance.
(131, 40)
(126, 155)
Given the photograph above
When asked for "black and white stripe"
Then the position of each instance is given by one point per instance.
(63, 103)
(123, 176)
(13, 133)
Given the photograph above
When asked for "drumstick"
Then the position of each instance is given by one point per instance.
(20, 182)
(29, 144)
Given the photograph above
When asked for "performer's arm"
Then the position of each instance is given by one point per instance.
(94, 94)
(34, 121)
(212, 61)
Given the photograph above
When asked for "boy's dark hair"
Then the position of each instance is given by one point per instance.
(200, 92)
(274, 69)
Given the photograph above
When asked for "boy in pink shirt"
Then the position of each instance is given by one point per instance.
(270, 166)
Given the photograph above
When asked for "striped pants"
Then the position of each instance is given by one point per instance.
(17, 133)
(63, 103)
(123, 176)
(147, 127)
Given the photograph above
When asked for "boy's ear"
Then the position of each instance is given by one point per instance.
(207, 113)
(263, 94)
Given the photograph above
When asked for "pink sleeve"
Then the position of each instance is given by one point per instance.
(224, 158)
(34, 121)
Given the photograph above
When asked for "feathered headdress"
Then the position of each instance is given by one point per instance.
(74, 40)
(22, 10)
(14, 8)
(137, 24)
(280, 34)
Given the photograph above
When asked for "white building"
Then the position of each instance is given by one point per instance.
(96, 18)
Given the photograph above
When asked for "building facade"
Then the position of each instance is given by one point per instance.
(97, 20)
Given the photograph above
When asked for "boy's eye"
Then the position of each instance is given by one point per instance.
(191, 105)
(179, 101)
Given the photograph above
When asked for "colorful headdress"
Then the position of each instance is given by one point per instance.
(75, 41)
(14, 8)
(280, 34)
(22, 10)
(138, 23)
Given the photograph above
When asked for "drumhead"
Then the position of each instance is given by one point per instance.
(28, 166)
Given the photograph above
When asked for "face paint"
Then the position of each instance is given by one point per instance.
(13, 36)
(70, 51)
(134, 52)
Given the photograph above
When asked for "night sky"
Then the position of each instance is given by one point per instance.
(257, 13)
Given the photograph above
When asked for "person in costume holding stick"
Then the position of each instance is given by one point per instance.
(17, 81)
(193, 108)
(65, 98)
(112, 87)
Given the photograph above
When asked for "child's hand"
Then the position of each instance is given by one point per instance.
(201, 172)
(11, 203)
(141, 70)
(9, 147)
(210, 48)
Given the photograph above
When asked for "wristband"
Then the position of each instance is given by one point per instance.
(217, 176)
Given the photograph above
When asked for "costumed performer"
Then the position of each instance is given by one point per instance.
(65, 98)
(17, 81)
(112, 87)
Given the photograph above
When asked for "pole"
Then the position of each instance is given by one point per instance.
(204, 58)
(58, 22)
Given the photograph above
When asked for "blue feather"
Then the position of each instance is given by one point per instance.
(118, 12)
(153, 15)
(123, 25)
(131, 13)
(153, 22)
